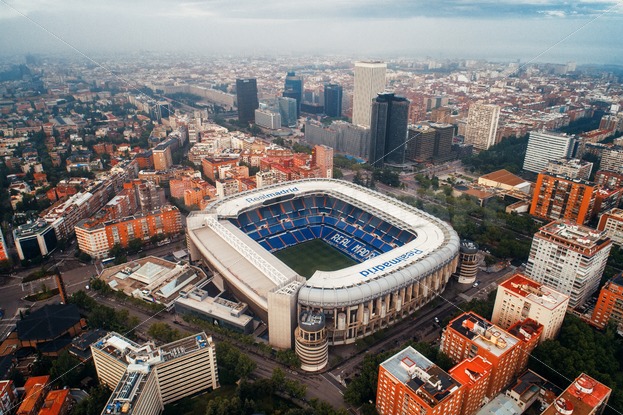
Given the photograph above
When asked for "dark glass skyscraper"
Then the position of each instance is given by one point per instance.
(246, 95)
(333, 100)
(293, 88)
(388, 129)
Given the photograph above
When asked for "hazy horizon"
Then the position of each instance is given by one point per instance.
(586, 31)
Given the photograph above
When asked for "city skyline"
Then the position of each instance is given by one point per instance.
(585, 31)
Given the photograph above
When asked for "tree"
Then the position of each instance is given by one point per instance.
(135, 245)
(232, 364)
(163, 332)
(65, 370)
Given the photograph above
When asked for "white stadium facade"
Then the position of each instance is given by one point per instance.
(404, 258)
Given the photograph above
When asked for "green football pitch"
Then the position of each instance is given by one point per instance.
(312, 256)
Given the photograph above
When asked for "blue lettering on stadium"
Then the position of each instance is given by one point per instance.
(270, 195)
(390, 263)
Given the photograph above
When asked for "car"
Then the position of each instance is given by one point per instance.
(436, 320)
(476, 284)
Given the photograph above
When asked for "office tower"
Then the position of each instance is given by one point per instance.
(322, 156)
(429, 142)
(421, 143)
(474, 374)
(585, 396)
(612, 223)
(470, 335)
(146, 377)
(569, 258)
(333, 100)
(246, 96)
(559, 197)
(572, 168)
(388, 131)
(268, 119)
(609, 306)
(34, 239)
(341, 136)
(293, 88)
(468, 262)
(161, 110)
(410, 384)
(519, 298)
(544, 146)
(369, 81)
(482, 125)
(288, 111)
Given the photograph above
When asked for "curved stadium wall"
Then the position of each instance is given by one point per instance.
(404, 256)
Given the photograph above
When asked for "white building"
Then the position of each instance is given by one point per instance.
(369, 81)
(612, 223)
(482, 125)
(519, 298)
(146, 377)
(569, 258)
(268, 119)
(612, 159)
(571, 168)
(546, 146)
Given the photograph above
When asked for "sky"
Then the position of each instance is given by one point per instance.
(584, 31)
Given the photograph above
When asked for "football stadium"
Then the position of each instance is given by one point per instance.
(337, 253)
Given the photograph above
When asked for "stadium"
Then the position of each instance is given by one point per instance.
(359, 259)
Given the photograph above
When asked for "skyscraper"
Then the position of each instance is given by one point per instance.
(293, 88)
(390, 115)
(288, 111)
(482, 125)
(546, 146)
(333, 100)
(246, 95)
(369, 81)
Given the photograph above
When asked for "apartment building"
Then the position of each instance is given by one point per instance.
(585, 396)
(471, 335)
(560, 197)
(482, 125)
(410, 384)
(569, 258)
(609, 305)
(96, 237)
(519, 298)
(474, 374)
(611, 222)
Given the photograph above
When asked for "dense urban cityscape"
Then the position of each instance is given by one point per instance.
(325, 234)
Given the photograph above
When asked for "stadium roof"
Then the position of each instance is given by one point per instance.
(435, 245)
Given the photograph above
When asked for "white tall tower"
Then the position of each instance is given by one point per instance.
(369, 81)
(482, 125)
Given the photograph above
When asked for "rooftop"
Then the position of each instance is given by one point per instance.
(534, 291)
(423, 377)
(48, 322)
(483, 333)
(500, 405)
(578, 235)
(470, 371)
(54, 402)
(504, 177)
(31, 228)
(581, 397)
(526, 329)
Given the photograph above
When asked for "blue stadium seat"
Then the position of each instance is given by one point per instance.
(288, 239)
(307, 233)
